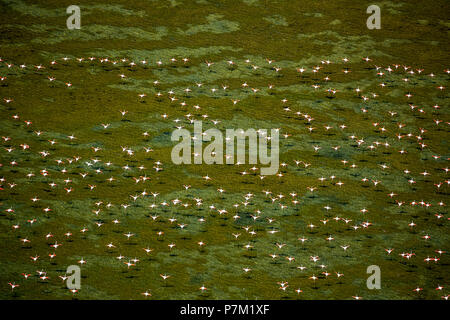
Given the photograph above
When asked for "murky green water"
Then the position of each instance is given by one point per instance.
(260, 37)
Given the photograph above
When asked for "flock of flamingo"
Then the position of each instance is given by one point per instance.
(388, 166)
